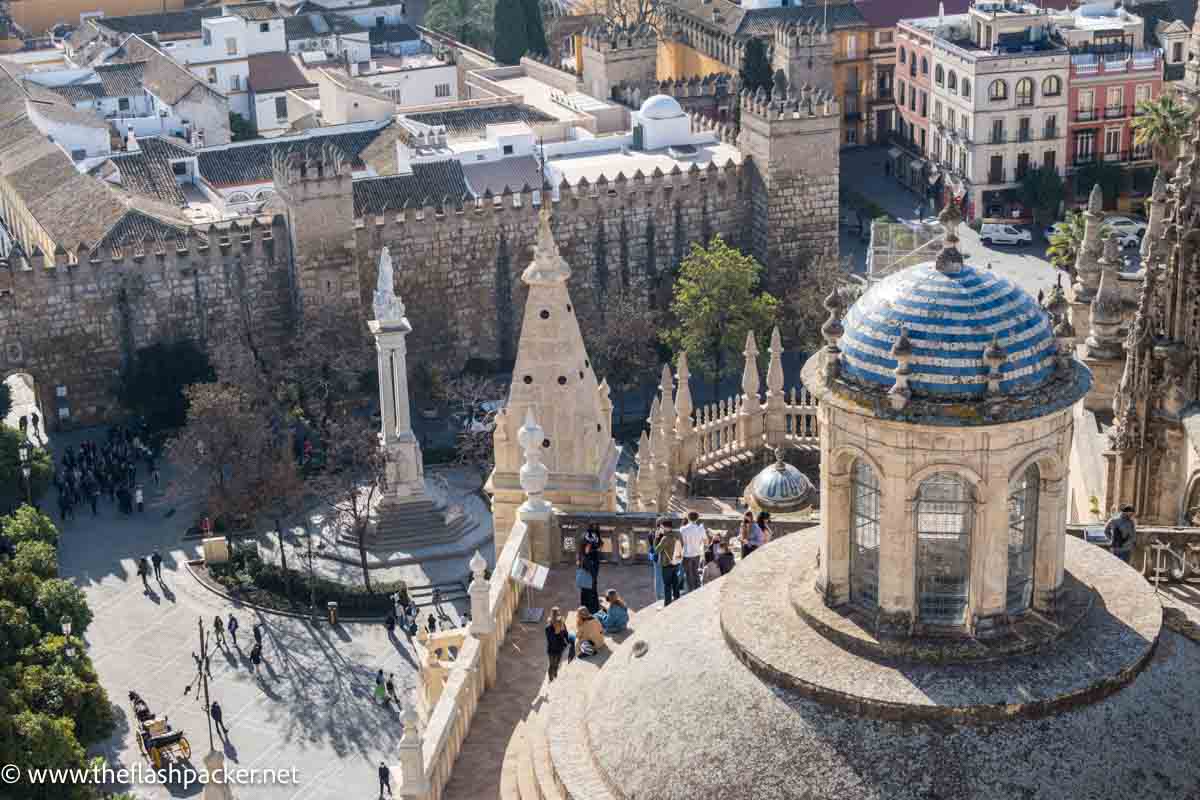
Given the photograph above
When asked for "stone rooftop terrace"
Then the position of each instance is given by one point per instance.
(611, 162)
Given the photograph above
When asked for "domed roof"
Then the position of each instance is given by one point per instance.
(945, 322)
(661, 106)
(781, 487)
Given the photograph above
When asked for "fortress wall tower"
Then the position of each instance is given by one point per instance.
(612, 56)
(792, 139)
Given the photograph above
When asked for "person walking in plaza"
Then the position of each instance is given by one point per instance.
(219, 631)
(381, 689)
(139, 498)
(385, 780)
(255, 657)
(668, 552)
(214, 711)
(156, 560)
(558, 641)
(256, 629)
(143, 571)
(391, 688)
(1122, 532)
(693, 536)
(232, 627)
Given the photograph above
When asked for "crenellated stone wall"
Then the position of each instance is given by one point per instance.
(72, 321)
(458, 269)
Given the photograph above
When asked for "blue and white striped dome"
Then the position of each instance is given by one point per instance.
(950, 318)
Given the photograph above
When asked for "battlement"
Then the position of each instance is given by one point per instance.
(618, 191)
(252, 234)
(793, 35)
(611, 38)
(631, 93)
(783, 103)
(313, 162)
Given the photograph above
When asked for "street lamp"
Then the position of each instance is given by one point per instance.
(25, 453)
(309, 524)
(66, 629)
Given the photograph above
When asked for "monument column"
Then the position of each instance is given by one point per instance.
(402, 451)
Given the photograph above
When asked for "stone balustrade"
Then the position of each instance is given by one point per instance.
(453, 688)
(689, 441)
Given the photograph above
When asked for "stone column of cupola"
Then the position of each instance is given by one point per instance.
(1050, 556)
(989, 548)
(833, 571)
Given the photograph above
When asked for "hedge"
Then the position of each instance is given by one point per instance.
(247, 575)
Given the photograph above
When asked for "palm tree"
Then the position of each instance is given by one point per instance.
(1162, 124)
(1066, 241)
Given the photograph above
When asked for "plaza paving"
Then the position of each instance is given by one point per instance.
(312, 707)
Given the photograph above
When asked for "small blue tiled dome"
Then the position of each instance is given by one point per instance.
(950, 318)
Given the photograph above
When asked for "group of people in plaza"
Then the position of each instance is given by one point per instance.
(105, 469)
(682, 560)
(221, 627)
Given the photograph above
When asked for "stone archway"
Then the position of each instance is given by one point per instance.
(26, 403)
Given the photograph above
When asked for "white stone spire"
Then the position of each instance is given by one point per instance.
(553, 378)
(750, 381)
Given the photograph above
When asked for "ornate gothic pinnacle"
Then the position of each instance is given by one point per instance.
(832, 330)
(775, 368)
(1096, 200)
(750, 373)
(666, 386)
(548, 265)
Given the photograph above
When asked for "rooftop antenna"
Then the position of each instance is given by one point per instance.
(826, 14)
(941, 14)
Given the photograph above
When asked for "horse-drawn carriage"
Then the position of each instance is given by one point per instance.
(156, 739)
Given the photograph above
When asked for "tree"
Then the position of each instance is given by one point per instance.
(510, 39)
(352, 480)
(630, 14)
(535, 28)
(805, 303)
(5, 400)
(468, 21)
(756, 69)
(240, 128)
(716, 302)
(1162, 124)
(51, 705)
(468, 393)
(623, 345)
(1042, 190)
(1066, 241)
(152, 386)
(12, 480)
(1105, 173)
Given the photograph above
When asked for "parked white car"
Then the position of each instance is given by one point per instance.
(1127, 225)
(995, 233)
(1125, 240)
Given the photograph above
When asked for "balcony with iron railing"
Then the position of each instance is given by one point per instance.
(1116, 157)
(1108, 112)
(1023, 136)
(1088, 64)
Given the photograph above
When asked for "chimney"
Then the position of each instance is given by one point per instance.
(131, 143)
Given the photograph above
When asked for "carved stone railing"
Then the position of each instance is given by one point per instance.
(626, 537)
(458, 667)
(1180, 548)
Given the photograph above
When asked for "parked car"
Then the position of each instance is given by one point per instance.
(1125, 240)
(994, 233)
(1126, 225)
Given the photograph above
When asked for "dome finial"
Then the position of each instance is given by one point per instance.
(993, 356)
(950, 261)
(832, 330)
(900, 393)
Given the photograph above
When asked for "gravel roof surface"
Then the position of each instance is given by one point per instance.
(688, 721)
(1115, 636)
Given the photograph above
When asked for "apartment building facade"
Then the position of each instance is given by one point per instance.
(1112, 72)
(997, 88)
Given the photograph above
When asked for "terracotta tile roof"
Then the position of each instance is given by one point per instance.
(148, 171)
(162, 75)
(245, 163)
(429, 184)
(275, 72)
(172, 23)
(121, 80)
(761, 22)
(78, 92)
(514, 173)
(258, 12)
